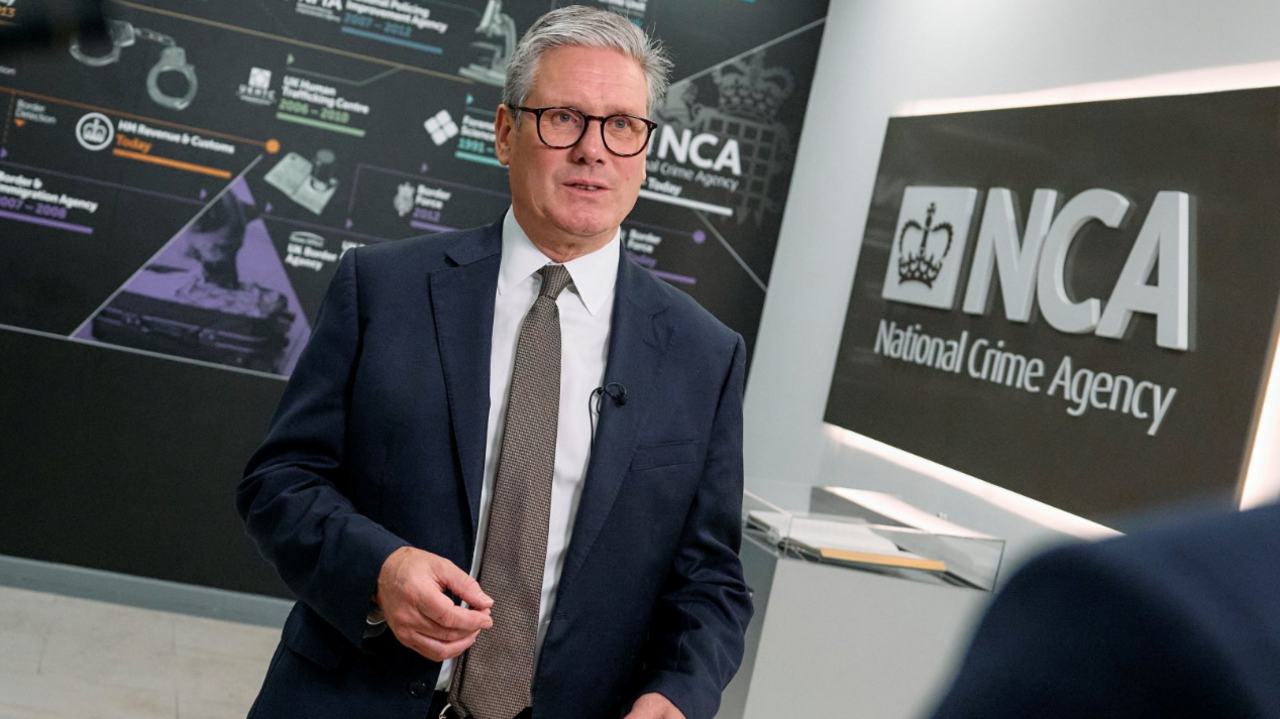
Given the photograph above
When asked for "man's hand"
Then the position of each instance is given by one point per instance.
(654, 706)
(411, 593)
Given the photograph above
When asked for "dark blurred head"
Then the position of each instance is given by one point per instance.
(50, 25)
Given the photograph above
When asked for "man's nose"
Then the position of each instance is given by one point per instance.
(590, 149)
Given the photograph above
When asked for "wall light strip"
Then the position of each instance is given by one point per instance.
(1008, 500)
(1188, 82)
(1262, 476)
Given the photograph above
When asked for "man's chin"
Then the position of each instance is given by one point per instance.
(589, 230)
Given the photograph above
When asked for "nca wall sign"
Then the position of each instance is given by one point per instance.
(1074, 302)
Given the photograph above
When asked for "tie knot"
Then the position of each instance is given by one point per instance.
(554, 279)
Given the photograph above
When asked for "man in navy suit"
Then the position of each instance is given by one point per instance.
(1180, 622)
(374, 492)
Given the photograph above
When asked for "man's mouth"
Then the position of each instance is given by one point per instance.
(586, 186)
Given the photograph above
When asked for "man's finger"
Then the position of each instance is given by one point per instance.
(435, 630)
(439, 609)
(437, 650)
(463, 585)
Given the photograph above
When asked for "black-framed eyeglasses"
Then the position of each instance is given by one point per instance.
(564, 127)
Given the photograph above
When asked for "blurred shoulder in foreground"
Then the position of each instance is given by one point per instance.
(1184, 621)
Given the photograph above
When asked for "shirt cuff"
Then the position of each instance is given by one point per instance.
(375, 622)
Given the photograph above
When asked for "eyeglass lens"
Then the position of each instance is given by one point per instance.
(562, 127)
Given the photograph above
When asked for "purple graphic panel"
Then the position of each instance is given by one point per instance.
(216, 292)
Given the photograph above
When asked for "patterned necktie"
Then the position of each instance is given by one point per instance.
(495, 676)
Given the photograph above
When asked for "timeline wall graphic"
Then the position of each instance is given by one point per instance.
(173, 205)
(144, 180)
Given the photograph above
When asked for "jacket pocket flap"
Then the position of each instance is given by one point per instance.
(664, 455)
(311, 637)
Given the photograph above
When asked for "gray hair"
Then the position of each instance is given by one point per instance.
(576, 25)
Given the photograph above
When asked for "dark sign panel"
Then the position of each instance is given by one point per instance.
(1074, 302)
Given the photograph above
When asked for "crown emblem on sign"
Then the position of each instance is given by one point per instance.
(923, 265)
(748, 89)
(95, 131)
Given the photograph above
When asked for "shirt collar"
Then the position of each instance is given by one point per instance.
(594, 275)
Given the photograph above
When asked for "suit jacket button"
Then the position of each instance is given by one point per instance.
(418, 689)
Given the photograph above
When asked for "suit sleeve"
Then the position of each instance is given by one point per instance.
(696, 638)
(291, 497)
(1090, 632)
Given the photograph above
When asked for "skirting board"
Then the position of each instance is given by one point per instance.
(142, 592)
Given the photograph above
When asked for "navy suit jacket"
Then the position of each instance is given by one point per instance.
(379, 442)
(1182, 622)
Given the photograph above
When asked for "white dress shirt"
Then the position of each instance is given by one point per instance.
(586, 314)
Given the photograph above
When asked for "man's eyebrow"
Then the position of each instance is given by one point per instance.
(614, 110)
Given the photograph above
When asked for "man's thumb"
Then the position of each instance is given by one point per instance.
(465, 586)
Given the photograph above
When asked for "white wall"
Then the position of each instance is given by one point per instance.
(879, 55)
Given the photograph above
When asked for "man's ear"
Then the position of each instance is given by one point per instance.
(504, 125)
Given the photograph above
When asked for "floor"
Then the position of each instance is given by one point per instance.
(62, 657)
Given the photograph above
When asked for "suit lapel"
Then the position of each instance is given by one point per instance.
(638, 338)
(462, 299)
